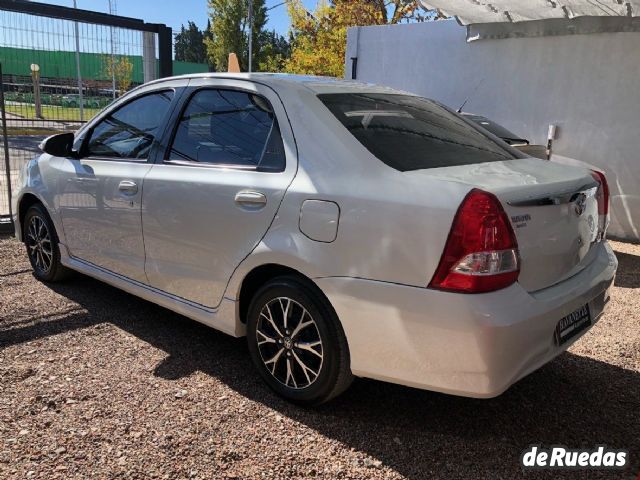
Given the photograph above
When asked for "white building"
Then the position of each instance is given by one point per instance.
(527, 65)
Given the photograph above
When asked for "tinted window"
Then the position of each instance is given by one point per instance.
(412, 133)
(129, 131)
(498, 130)
(229, 127)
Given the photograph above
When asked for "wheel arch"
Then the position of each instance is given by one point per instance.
(26, 202)
(261, 274)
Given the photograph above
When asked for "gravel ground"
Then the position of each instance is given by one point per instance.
(95, 383)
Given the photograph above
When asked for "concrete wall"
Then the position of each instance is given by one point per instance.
(587, 85)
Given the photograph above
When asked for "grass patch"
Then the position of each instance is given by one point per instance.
(32, 131)
(51, 112)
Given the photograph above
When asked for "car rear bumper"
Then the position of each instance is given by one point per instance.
(471, 345)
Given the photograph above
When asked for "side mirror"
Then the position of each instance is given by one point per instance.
(58, 145)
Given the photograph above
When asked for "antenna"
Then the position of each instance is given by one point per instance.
(469, 97)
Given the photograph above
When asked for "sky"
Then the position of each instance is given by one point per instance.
(174, 13)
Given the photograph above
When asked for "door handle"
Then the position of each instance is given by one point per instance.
(250, 199)
(85, 180)
(128, 187)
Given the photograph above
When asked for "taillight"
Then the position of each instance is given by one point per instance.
(481, 253)
(602, 195)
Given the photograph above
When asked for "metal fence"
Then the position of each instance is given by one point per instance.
(59, 67)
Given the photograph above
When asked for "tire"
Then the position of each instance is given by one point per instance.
(327, 373)
(41, 241)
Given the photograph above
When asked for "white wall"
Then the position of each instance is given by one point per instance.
(588, 85)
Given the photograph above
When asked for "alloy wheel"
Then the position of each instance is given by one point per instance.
(39, 244)
(289, 343)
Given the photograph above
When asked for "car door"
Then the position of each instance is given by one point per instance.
(99, 193)
(208, 202)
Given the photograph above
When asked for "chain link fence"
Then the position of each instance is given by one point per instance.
(59, 67)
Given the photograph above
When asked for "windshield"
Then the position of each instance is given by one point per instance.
(412, 133)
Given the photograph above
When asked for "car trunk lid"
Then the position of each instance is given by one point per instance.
(553, 209)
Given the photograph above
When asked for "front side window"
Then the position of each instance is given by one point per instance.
(229, 127)
(412, 133)
(130, 131)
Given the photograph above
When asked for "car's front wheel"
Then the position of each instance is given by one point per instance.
(297, 342)
(42, 245)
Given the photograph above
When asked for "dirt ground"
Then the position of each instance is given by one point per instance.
(95, 383)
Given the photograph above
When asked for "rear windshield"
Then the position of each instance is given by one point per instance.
(412, 133)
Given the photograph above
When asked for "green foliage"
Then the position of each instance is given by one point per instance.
(189, 44)
(274, 52)
(229, 32)
(317, 39)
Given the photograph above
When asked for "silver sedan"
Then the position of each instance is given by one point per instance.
(345, 229)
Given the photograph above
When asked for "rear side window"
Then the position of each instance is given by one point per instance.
(130, 131)
(412, 133)
(229, 127)
(498, 130)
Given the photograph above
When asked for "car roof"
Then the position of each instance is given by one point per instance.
(316, 84)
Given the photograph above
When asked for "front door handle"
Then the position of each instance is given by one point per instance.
(128, 187)
(250, 199)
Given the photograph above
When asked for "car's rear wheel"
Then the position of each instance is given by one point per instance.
(42, 245)
(297, 342)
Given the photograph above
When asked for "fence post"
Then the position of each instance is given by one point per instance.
(35, 78)
(78, 71)
(165, 51)
(149, 68)
(5, 140)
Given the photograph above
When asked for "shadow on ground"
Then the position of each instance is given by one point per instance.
(407, 429)
(628, 275)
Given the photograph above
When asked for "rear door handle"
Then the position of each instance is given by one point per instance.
(85, 180)
(128, 187)
(250, 199)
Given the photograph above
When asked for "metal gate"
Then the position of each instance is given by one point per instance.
(59, 66)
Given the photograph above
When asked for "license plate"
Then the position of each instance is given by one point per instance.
(571, 325)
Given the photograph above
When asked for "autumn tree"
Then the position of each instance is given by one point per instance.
(120, 68)
(189, 44)
(319, 38)
(399, 11)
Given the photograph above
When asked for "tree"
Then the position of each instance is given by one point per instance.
(120, 68)
(398, 11)
(207, 36)
(319, 39)
(274, 52)
(189, 44)
(229, 32)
